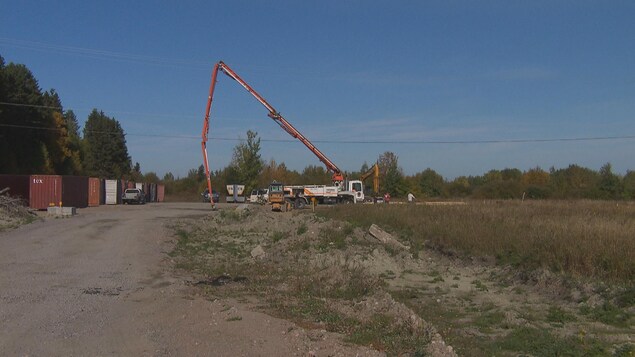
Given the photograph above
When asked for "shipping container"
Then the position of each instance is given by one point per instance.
(18, 186)
(131, 184)
(45, 191)
(160, 193)
(75, 191)
(102, 191)
(94, 191)
(113, 192)
(152, 192)
(138, 185)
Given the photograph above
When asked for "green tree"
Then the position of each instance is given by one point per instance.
(460, 187)
(151, 177)
(391, 175)
(575, 182)
(135, 174)
(73, 165)
(315, 175)
(27, 128)
(105, 144)
(430, 183)
(168, 177)
(610, 184)
(629, 185)
(247, 162)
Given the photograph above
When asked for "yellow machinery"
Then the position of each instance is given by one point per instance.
(276, 196)
(373, 171)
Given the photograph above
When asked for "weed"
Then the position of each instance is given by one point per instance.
(383, 333)
(302, 228)
(330, 238)
(626, 350)
(609, 314)
(234, 318)
(489, 320)
(278, 236)
(540, 342)
(479, 285)
(559, 316)
(233, 215)
(626, 298)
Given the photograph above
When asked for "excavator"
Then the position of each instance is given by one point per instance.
(373, 171)
(348, 191)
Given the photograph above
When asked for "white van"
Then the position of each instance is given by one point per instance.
(262, 194)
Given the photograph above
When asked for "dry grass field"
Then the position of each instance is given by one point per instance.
(581, 239)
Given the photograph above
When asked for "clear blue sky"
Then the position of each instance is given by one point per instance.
(446, 74)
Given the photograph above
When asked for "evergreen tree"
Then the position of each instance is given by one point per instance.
(27, 127)
(105, 144)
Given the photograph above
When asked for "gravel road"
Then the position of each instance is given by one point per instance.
(101, 283)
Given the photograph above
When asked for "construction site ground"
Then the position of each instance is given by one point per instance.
(181, 279)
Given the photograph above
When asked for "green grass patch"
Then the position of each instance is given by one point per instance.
(609, 314)
(559, 316)
(331, 238)
(489, 320)
(540, 342)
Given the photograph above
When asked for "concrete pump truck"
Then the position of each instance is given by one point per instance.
(342, 191)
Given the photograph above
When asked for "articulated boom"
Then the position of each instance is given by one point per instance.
(338, 177)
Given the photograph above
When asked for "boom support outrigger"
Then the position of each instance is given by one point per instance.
(338, 176)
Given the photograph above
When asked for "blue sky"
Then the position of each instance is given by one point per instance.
(464, 80)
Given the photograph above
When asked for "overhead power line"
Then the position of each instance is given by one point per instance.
(110, 111)
(103, 54)
(365, 142)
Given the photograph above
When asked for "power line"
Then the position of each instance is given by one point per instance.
(103, 54)
(112, 111)
(364, 142)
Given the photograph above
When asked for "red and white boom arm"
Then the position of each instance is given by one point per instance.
(273, 114)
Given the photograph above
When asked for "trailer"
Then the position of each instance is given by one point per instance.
(235, 193)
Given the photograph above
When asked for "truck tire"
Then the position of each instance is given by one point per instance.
(300, 203)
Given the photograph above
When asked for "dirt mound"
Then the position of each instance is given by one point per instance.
(319, 273)
(13, 212)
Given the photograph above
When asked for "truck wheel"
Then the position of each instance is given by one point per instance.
(299, 203)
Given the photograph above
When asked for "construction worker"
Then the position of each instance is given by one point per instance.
(387, 197)
(411, 197)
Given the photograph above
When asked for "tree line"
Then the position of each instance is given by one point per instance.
(37, 136)
(573, 182)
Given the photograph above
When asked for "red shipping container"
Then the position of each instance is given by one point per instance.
(75, 191)
(94, 191)
(160, 193)
(45, 191)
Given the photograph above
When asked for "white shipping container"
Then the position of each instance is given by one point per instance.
(111, 192)
(138, 186)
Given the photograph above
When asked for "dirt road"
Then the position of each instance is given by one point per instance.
(100, 283)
